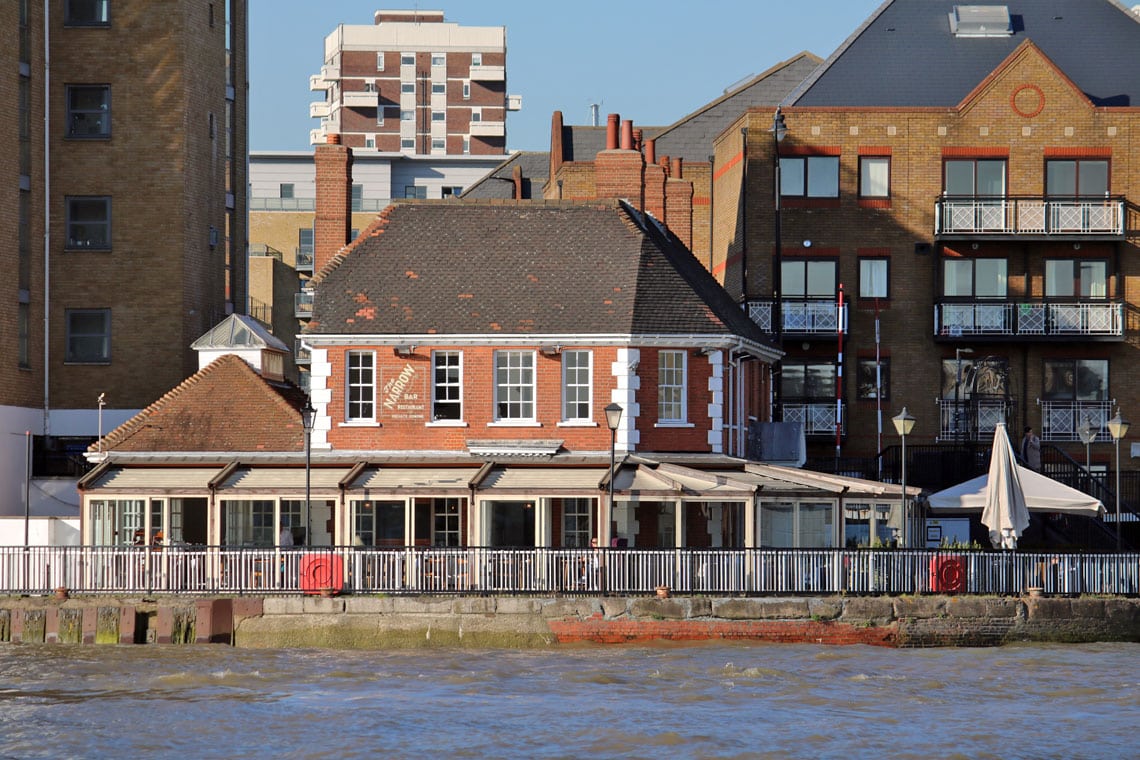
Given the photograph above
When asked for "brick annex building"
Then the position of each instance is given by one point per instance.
(969, 176)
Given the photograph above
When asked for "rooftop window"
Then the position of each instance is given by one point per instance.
(980, 21)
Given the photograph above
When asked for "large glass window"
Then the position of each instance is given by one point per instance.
(87, 13)
(671, 386)
(873, 278)
(89, 222)
(807, 379)
(447, 385)
(1076, 278)
(89, 336)
(807, 278)
(88, 110)
(445, 522)
(874, 177)
(361, 386)
(809, 176)
(514, 385)
(576, 522)
(378, 523)
(1076, 380)
(874, 379)
(576, 385)
(1076, 178)
(974, 278)
(975, 177)
(797, 525)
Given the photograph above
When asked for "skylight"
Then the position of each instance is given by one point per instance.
(980, 21)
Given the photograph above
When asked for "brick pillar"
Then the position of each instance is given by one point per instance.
(556, 150)
(333, 223)
(679, 205)
(655, 176)
(620, 172)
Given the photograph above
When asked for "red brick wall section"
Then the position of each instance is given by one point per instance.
(598, 630)
(332, 225)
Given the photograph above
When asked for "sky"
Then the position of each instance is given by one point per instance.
(650, 62)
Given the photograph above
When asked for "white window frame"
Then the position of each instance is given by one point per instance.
(466, 90)
(476, 115)
(77, 337)
(439, 88)
(450, 362)
(875, 278)
(438, 144)
(360, 392)
(577, 386)
(577, 522)
(439, 116)
(476, 59)
(380, 61)
(515, 397)
(672, 387)
(407, 143)
(875, 177)
(438, 59)
(404, 59)
(408, 88)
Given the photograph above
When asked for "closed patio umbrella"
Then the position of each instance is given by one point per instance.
(1004, 512)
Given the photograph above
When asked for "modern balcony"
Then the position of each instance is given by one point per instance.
(973, 419)
(488, 73)
(817, 416)
(1098, 218)
(303, 304)
(1062, 420)
(303, 258)
(275, 203)
(488, 128)
(360, 99)
(801, 317)
(319, 109)
(301, 354)
(1102, 321)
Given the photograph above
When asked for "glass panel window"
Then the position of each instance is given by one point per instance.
(809, 176)
(975, 177)
(438, 59)
(1068, 278)
(514, 385)
(476, 59)
(357, 198)
(438, 88)
(292, 523)
(379, 61)
(874, 381)
(874, 177)
(89, 336)
(1076, 178)
(671, 386)
(447, 385)
(576, 385)
(438, 143)
(407, 114)
(88, 111)
(408, 87)
(407, 143)
(89, 223)
(361, 386)
(285, 190)
(807, 379)
(1076, 380)
(414, 191)
(873, 278)
(576, 523)
(378, 523)
(804, 278)
(438, 116)
(445, 522)
(980, 278)
(87, 13)
(408, 59)
(466, 90)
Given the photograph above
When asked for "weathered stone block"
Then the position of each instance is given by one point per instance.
(1039, 609)
(919, 606)
(666, 609)
(868, 608)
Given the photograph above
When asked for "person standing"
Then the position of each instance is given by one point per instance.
(1031, 449)
(286, 537)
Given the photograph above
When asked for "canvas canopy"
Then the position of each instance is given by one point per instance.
(1042, 494)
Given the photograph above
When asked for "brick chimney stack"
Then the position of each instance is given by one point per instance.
(619, 172)
(333, 218)
(655, 176)
(679, 204)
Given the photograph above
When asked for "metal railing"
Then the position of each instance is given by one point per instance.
(1062, 420)
(1028, 319)
(222, 570)
(817, 418)
(801, 317)
(973, 419)
(1059, 217)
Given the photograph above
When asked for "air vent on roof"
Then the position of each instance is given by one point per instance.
(980, 21)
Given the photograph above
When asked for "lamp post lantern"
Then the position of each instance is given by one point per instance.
(1118, 427)
(958, 390)
(307, 415)
(904, 423)
(779, 130)
(613, 419)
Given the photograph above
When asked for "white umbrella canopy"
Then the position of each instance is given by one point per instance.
(1004, 512)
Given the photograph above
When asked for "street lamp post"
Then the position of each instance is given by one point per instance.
(958, 390)
(1118, 427)
(904, 423)
(613, 419)
(307, 415)
(1088, 434)
(779, 130)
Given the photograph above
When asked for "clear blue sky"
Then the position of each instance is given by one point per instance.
(651, 62)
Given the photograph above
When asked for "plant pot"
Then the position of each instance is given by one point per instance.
(662, 592)
(61, 593)
(1035, 591)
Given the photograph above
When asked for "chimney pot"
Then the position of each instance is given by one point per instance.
(675, 171)
(612, 131)
(650, 152)
(627, 134)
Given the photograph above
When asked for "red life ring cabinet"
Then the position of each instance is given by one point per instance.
(320, 571)
(947, 574)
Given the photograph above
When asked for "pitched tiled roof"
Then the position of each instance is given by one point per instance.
(906, 55)
(499, 182)
(225, 406)
(520, 268)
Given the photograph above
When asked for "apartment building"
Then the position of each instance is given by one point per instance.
(955, 231)
(415, 83)
(125, 214)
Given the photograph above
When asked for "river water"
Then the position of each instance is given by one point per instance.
(715, 700)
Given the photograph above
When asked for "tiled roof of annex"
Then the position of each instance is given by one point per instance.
(225, 406)
(547, 267)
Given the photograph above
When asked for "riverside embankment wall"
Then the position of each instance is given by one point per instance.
(426, 621)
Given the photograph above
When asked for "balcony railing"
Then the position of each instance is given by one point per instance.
(818, 418)
(801, 317)
(973, 419)
(282, 204)
(488, 73)
(1032, 320)
(360, 98)
(227, 570)
(488, 128)
(319, 109)
(304, 258)
(1030, 217)
(1061, 420)
(301, 354)
(303, 304)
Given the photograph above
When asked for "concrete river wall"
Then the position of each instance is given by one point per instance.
(370, 622)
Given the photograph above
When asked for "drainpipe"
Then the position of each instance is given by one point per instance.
(47, 217)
